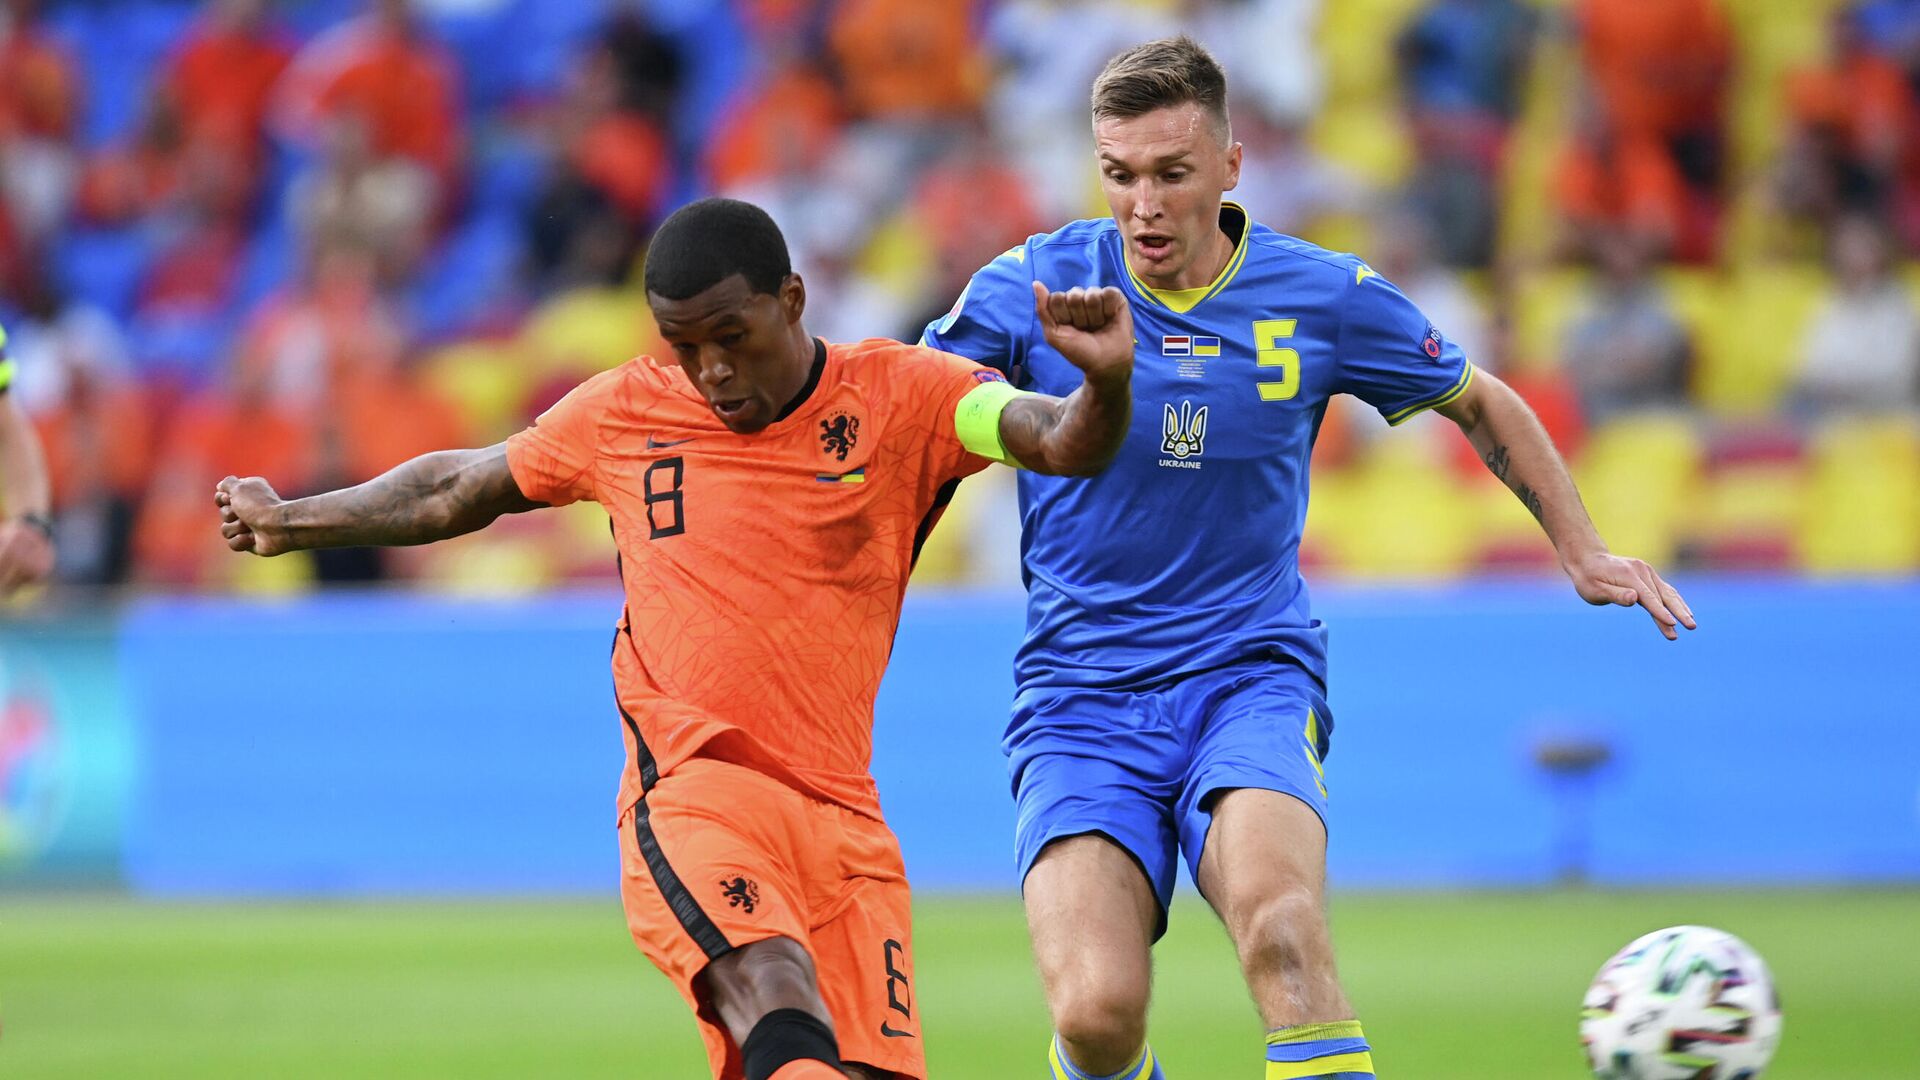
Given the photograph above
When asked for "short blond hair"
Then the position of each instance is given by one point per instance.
(1158, 74)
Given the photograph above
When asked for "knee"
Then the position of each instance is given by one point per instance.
(747, 984)
(1283, 932)
(1109, 1021)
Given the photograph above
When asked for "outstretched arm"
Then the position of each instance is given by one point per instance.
(432, 497)
(1077, 435)
(1518, 450)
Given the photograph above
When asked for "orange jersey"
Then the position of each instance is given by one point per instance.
(763, 573)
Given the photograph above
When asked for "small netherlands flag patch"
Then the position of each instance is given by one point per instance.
(1181, 345)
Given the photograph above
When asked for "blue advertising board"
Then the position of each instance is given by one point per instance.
(386, 743)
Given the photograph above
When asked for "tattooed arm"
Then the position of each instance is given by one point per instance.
(432, 497)
(1516, 449)
(1077, 435)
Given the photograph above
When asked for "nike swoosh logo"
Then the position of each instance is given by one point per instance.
(890, 1033)
(654, 444)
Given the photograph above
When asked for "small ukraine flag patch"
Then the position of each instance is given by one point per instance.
(1206, 346)
(857, 476)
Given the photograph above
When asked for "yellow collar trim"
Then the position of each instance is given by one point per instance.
(1182, 301)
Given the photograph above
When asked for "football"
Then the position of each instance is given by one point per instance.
(1684, 1003)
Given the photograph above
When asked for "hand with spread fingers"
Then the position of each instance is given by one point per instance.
(1605, 578)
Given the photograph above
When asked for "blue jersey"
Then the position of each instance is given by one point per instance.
(1184, 554)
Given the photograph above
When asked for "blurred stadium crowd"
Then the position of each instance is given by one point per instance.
(310, 239)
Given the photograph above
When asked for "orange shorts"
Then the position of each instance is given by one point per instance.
(717, 856)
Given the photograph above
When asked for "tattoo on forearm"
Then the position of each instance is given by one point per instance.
(1023, 423)
(1497, 462)
(1529, 500)
(1074, 435)
(429, 498)
(1500, 464)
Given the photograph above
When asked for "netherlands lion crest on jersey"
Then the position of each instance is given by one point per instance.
(838, 435)
(1184, 433)
(741, 892)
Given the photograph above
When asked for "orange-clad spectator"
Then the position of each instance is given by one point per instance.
(786, 124)
(38, 88)
(98, 443)
(221, 431)
(383, 69)
(382, 206)
(771, 20)
(1659, 69)
(124, 182)
(907, 59)
(39, 100)
(973, 205)
(197, 272)
(221, 79)
(334, 325)
(1852, 120)
(1608, 185)
(625, 156)
(375, 420)
(613, 170)
(1659, 65)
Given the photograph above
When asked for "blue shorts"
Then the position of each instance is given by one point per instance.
(1142, 768)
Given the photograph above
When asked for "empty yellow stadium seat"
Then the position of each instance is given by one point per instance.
(1747, 330)
(1543, 304)
(1639, 475)
(587, 330)
(1862, 515)
(1407, 517)
(1748, 516)
(487, 381)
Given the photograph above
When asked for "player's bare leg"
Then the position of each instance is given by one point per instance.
(768, 998)
(1092, 914)
(1265, 871)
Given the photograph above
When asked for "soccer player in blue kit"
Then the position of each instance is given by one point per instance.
(1171, 690)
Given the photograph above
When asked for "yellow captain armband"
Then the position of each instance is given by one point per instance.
(977, 420)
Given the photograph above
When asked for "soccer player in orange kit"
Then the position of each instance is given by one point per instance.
(768, 493)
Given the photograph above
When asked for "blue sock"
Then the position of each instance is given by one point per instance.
(1336, 1051)
(1144, 1067)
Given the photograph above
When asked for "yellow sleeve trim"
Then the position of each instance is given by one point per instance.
(1466, 378)
(6, 374)
(977, 420)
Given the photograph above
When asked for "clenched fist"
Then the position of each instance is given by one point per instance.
(249, 515)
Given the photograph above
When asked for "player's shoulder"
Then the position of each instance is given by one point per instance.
(631, 387)
(897, 372)
(885, 359)
(1075, 234)
(1278, 250)
(1069, 241)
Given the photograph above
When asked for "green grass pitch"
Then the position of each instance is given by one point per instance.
(1451, 987)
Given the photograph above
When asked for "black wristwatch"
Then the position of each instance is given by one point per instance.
(41, 522)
